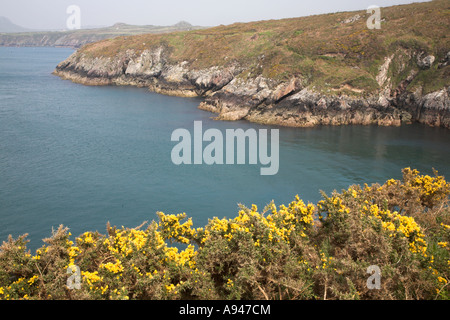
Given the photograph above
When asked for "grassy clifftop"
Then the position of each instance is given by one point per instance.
(332, 52)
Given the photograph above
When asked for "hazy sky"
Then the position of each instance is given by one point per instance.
(51, 14)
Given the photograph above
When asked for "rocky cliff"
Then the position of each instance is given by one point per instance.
(405, 81)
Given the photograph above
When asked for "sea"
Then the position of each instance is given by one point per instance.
(82, 156)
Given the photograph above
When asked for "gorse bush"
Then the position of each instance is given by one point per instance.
(299, 251)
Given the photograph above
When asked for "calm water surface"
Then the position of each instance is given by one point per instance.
(82, 156)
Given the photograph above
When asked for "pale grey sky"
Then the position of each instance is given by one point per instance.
(51, 14)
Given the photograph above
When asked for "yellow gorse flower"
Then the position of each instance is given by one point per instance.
(279, 224)
(430, 189)
(91, 277)
(400, 226)
(113, 267)
(32, 279)
(130, 260)
(442, 280)
(443, 244)
(180, 258)
(171, 227)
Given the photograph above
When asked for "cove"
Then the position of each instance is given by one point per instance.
(82, 156)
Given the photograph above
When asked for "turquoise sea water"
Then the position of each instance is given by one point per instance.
(82, 156)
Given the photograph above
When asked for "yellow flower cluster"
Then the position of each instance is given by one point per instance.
(399, 225)
(87, 238)
(219, 224)
(325, 260)
(443, 244)
(392, 182)
(39, 253)
(113, 267)
(104, 289)
(334, 205)
(297, 212)
(91, 277)
(170, 288)
(447, 227)
(442, 280)
(173, 229)
(20, 286)
(126, 241)
(73, 253)
(180, 258)
(431, 189)
(278, 225)
(33, 279)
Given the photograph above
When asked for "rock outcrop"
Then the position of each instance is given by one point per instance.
(229, 94)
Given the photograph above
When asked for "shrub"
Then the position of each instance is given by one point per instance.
(297, 251)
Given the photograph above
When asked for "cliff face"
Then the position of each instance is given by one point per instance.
(262, 100)
(50, 39)
(401, 84)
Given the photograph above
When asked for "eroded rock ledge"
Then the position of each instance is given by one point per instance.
(233, 96)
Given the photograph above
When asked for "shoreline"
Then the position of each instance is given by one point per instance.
(298, 72)
(285, 112)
